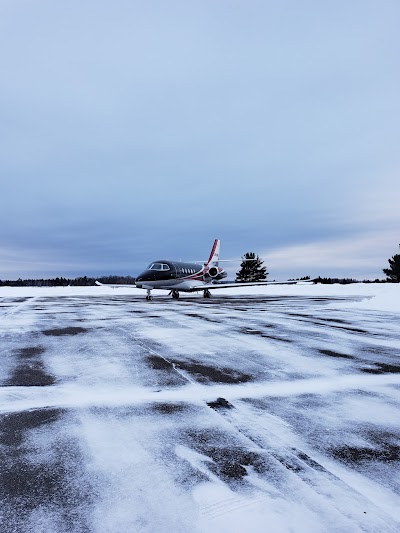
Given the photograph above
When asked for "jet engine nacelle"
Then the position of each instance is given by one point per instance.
(215, 273)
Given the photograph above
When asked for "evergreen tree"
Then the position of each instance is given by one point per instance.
(251, 268)
(393, 273)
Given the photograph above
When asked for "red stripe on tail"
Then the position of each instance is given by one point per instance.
(212, 251)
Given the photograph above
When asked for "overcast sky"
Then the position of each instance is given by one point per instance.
(132, 131)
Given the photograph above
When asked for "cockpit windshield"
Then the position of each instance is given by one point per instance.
(158, 266)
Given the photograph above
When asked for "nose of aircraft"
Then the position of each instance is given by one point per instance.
(143, 277)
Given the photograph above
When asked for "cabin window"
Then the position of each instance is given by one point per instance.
(156, 266)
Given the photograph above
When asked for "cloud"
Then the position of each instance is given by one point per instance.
(153, 129)
(355, 256)
(26, 263)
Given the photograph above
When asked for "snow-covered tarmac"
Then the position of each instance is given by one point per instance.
(269, 409)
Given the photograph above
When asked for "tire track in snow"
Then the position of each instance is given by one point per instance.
(339, 494)
(68, 394)
(221, 506)
(17, 307)
(151, 351)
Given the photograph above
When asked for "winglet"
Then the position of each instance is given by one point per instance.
(214, 255)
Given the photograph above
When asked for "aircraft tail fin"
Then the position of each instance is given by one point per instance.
(214, 254)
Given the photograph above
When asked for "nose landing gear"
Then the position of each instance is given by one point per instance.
(149, 296)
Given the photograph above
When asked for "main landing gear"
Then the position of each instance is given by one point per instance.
(206, 293)
(175, 294)
(149, 296)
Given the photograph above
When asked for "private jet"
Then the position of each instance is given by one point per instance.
(178, 276)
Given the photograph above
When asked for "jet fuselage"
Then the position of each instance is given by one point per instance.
(176, 275)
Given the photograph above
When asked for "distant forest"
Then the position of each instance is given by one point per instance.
(345, 281)
(65, 282)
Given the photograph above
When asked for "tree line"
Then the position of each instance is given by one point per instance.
(83, 281)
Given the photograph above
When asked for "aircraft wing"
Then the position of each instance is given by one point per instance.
(248, 284)
(114, 285)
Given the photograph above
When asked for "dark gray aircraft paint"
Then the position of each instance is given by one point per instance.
(170, 270)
